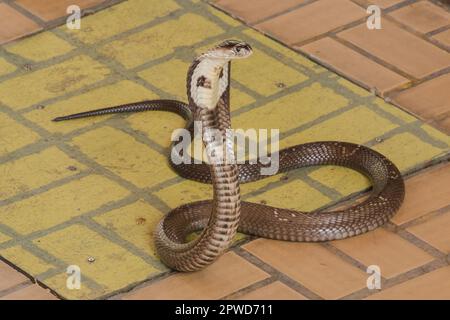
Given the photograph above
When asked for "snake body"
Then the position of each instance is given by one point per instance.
(208, 88)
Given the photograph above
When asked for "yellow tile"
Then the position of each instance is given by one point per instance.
(134, 223)
(118, 19)
(40, 47)
(26, 260)
(123, 155)
(6, 67)
(160, 40)
(60, 204)
(4, 238)
(13, 135)
(157, 125)
(35, 170)
(59, 284)
(239, 99)
(247, 188)
(263, 74)
(292, 110)
(54, 81)
(343, 180)
(284, 51)
(436, 134)
(354, 88)
(184, 192)
(169, 76)
(357, 126)
(115, 94)
(114, 267)
(395, 111)
(293, 195)
(407, 151)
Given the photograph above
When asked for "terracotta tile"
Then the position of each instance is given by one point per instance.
(429, 100)
(311, 265)
(14, 25)
(431, 286)
(443, 37)
(33, 292)
(53, 9)
(425, 192)
(273, 291)
(444, 124)
(9, 277)
(389, 251)
(354, 65)
(435, 231)
(312, 20)
(422, 16)
(383, 4)
(399, 48)
(254, 10)
(227, 275)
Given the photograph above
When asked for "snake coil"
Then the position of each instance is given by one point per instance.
(208, 88)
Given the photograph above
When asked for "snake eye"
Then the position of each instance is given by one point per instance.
(238, 49)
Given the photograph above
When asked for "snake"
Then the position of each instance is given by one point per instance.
(219, 219)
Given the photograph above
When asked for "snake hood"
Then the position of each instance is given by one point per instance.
(208, 74)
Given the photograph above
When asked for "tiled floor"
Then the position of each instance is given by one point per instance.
(20, 18)
(407, 61)
(89, 192)
(413, 253)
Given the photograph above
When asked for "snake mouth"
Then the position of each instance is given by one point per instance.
(242, 50)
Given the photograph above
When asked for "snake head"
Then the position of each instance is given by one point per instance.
(230, 49)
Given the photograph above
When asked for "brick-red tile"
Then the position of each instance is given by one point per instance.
(400, 48)
(14, 25)
(354, 65)
(312, 20)
(422, 16)
(254, 10)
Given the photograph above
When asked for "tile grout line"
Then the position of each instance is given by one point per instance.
(250, 288)
(46, 25)
(275, 15)
(23, 285)
(397, 280)
(372, 57)
(285, 279)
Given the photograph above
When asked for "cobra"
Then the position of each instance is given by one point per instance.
(208, 90)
